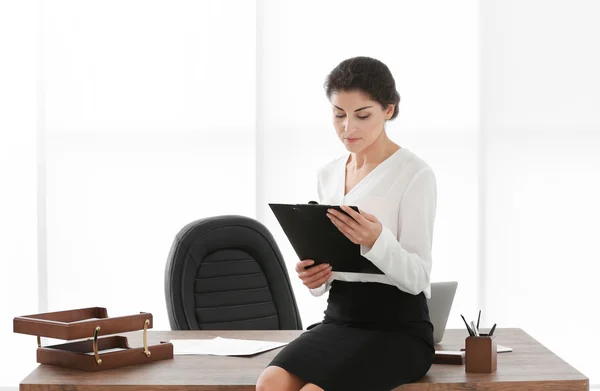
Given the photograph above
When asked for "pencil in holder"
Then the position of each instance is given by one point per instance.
(480, 354)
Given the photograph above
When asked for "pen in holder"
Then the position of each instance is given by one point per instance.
(480, 354)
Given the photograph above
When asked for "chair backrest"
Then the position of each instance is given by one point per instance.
(227, 273)
(440, 303)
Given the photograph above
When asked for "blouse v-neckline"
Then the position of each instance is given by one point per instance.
(366, 178)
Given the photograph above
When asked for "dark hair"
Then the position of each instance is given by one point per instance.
(367, 75)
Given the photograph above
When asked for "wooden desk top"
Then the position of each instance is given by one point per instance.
(530, 366)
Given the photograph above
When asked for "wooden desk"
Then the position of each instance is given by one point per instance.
(530, 366)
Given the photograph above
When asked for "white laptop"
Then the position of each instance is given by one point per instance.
(440, 303)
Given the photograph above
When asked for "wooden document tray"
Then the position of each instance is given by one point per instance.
(94, 353)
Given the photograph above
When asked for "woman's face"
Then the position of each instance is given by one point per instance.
(357, 119)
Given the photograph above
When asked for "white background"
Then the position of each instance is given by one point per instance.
(122, 121)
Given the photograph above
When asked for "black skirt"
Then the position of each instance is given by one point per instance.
(374, 337)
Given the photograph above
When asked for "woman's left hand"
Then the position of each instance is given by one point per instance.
(361, 228)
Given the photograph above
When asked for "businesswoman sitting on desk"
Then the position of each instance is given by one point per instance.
(376, 333)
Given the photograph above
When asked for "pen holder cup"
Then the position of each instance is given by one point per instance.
(480, 354)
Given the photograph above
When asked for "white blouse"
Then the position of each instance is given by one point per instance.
(401, 192)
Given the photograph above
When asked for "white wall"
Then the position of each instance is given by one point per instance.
(541, 121)
(121, 105)
(18, 185)
(139, 116)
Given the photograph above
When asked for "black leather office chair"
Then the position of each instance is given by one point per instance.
(227, 273)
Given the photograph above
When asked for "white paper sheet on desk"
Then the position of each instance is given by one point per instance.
(222, 346)
(503, 349)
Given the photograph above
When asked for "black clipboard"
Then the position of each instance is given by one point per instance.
(314, 236)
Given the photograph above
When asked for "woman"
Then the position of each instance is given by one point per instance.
(376, 333)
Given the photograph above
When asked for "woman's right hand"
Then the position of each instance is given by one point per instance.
(315, 276)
